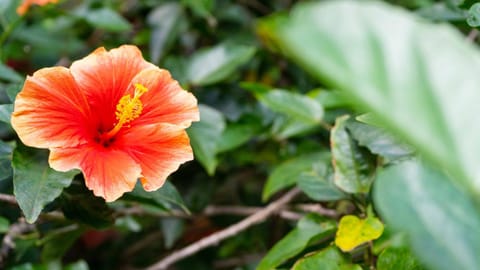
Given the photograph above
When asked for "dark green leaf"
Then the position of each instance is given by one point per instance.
(237, 134)
(8, 74)
(353, 166)
(397, 258)
(5, 112)
(415, 199)
(202, 8)
(288, 173)
(172, 229)
(5, 160)
(107, 19)
(35, 184)
(320, 187)
(80, 265)
(205, 135)
(166, 197)
(165, 22)
(57, 242)
(215, 64)
(292, 104)
(308, 229)
(379, 141)
(327, 259)
(78, 203)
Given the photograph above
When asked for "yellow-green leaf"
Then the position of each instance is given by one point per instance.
(353, 231)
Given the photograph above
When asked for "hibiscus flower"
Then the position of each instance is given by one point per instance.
(23, 8)
(113, 115)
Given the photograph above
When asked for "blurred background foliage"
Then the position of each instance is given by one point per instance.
(268, 124)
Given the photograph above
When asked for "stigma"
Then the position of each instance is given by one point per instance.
(128, 109)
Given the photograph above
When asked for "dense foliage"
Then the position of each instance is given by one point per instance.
(332, 135)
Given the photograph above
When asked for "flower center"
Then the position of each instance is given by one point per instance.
(128, 109)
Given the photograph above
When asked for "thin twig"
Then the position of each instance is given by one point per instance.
(8, 199)
(472, 35)
(215, 238)
(317, 208)
(8, 243)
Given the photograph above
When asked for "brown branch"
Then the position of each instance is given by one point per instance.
(217, 237)
(472, 36)
(8, 199)
(8, 243)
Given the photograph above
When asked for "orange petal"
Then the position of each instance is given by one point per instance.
(50, 111)
(159, 149)
(23, 8)
(165, 101)
(105, 76)
(108, 172)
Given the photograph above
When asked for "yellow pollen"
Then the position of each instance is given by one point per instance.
(128, 109)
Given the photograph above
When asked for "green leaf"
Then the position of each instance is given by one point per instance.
(8, 74)
(327, 259)
(165, 22)
(354, 167)
(216, 64)
(79, 204)
(202, 8)
(172, 229)
(205, 135)
(379, 141)
(288, 173)
(57, 242)
(35, 184)
(292, 104)
(394, 70)
(166, 197)
(319, 187)
(4, 225)
(5, 160)
(439, 218)
(79, 265)
(236, 134)
(308, 229)
(473, 17)
(5, 112)
(107, 19)
(397, 258)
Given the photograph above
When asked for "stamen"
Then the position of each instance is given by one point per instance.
(128, 109)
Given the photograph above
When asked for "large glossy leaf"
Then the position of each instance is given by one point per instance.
(441, 220)
(35, 184)
(205, 136)
(328, 259)
(420, 79)
(353, 165)
(287, 173)
(308, 229)
(215, 64)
